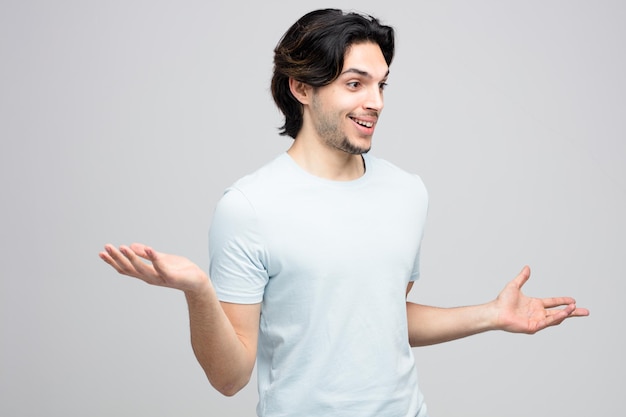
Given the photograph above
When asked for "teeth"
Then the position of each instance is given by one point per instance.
(362, 123)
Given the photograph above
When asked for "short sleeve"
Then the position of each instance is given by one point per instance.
(237, 255)
(421, 212)
(415, 274)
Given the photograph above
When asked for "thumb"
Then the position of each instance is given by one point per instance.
(522, 277)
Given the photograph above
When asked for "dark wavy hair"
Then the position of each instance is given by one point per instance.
(312, 51)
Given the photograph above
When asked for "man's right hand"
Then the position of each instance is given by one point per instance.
(161, 269)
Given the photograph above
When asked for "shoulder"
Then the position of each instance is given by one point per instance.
(386, 167)
(390, 173)
(251, 194)
(273, 174)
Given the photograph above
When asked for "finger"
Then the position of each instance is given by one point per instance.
(139, 249)
(142, 268)
(146, 252)
(107, 258)
(522, 277)
(557, 301)
(117, 260)
(151, 254)
(556, 316)
(579, 312)
(157, 260)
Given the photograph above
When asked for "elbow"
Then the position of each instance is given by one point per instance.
(229, 389)
(228, 377)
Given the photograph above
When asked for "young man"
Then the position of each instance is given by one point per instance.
(312, 255)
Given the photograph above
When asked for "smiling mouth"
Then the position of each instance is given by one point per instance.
(362, 122)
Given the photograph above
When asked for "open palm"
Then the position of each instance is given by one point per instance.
(155, 268)
(519, 313)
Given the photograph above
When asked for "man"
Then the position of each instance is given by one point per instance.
(313, 255)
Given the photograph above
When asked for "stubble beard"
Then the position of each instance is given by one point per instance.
(342, 143)
(328, 128)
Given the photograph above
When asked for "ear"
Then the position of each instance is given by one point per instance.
(300, 90)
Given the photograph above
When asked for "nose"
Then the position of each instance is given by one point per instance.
(374, 99)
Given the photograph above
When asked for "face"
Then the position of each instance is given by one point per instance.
(344, 113)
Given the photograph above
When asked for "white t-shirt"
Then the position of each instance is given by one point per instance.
(330, 262)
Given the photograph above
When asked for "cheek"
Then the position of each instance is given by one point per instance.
(340, 101)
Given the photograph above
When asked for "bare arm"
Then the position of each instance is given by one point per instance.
(511, 311)
(224, 339)
(223, 336)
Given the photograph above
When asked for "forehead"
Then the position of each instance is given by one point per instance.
(366, 57)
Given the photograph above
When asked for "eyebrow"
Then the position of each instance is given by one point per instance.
(362, 73)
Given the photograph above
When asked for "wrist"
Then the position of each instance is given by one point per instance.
(201, 290)
(492, 317)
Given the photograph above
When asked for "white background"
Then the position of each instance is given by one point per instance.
(123, 121)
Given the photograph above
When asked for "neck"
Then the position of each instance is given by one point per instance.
(325, 162)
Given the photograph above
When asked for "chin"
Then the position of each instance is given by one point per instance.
(355, 150)
(356, 147)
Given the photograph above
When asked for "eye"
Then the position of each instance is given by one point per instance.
(382, 86)
(354, 84)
